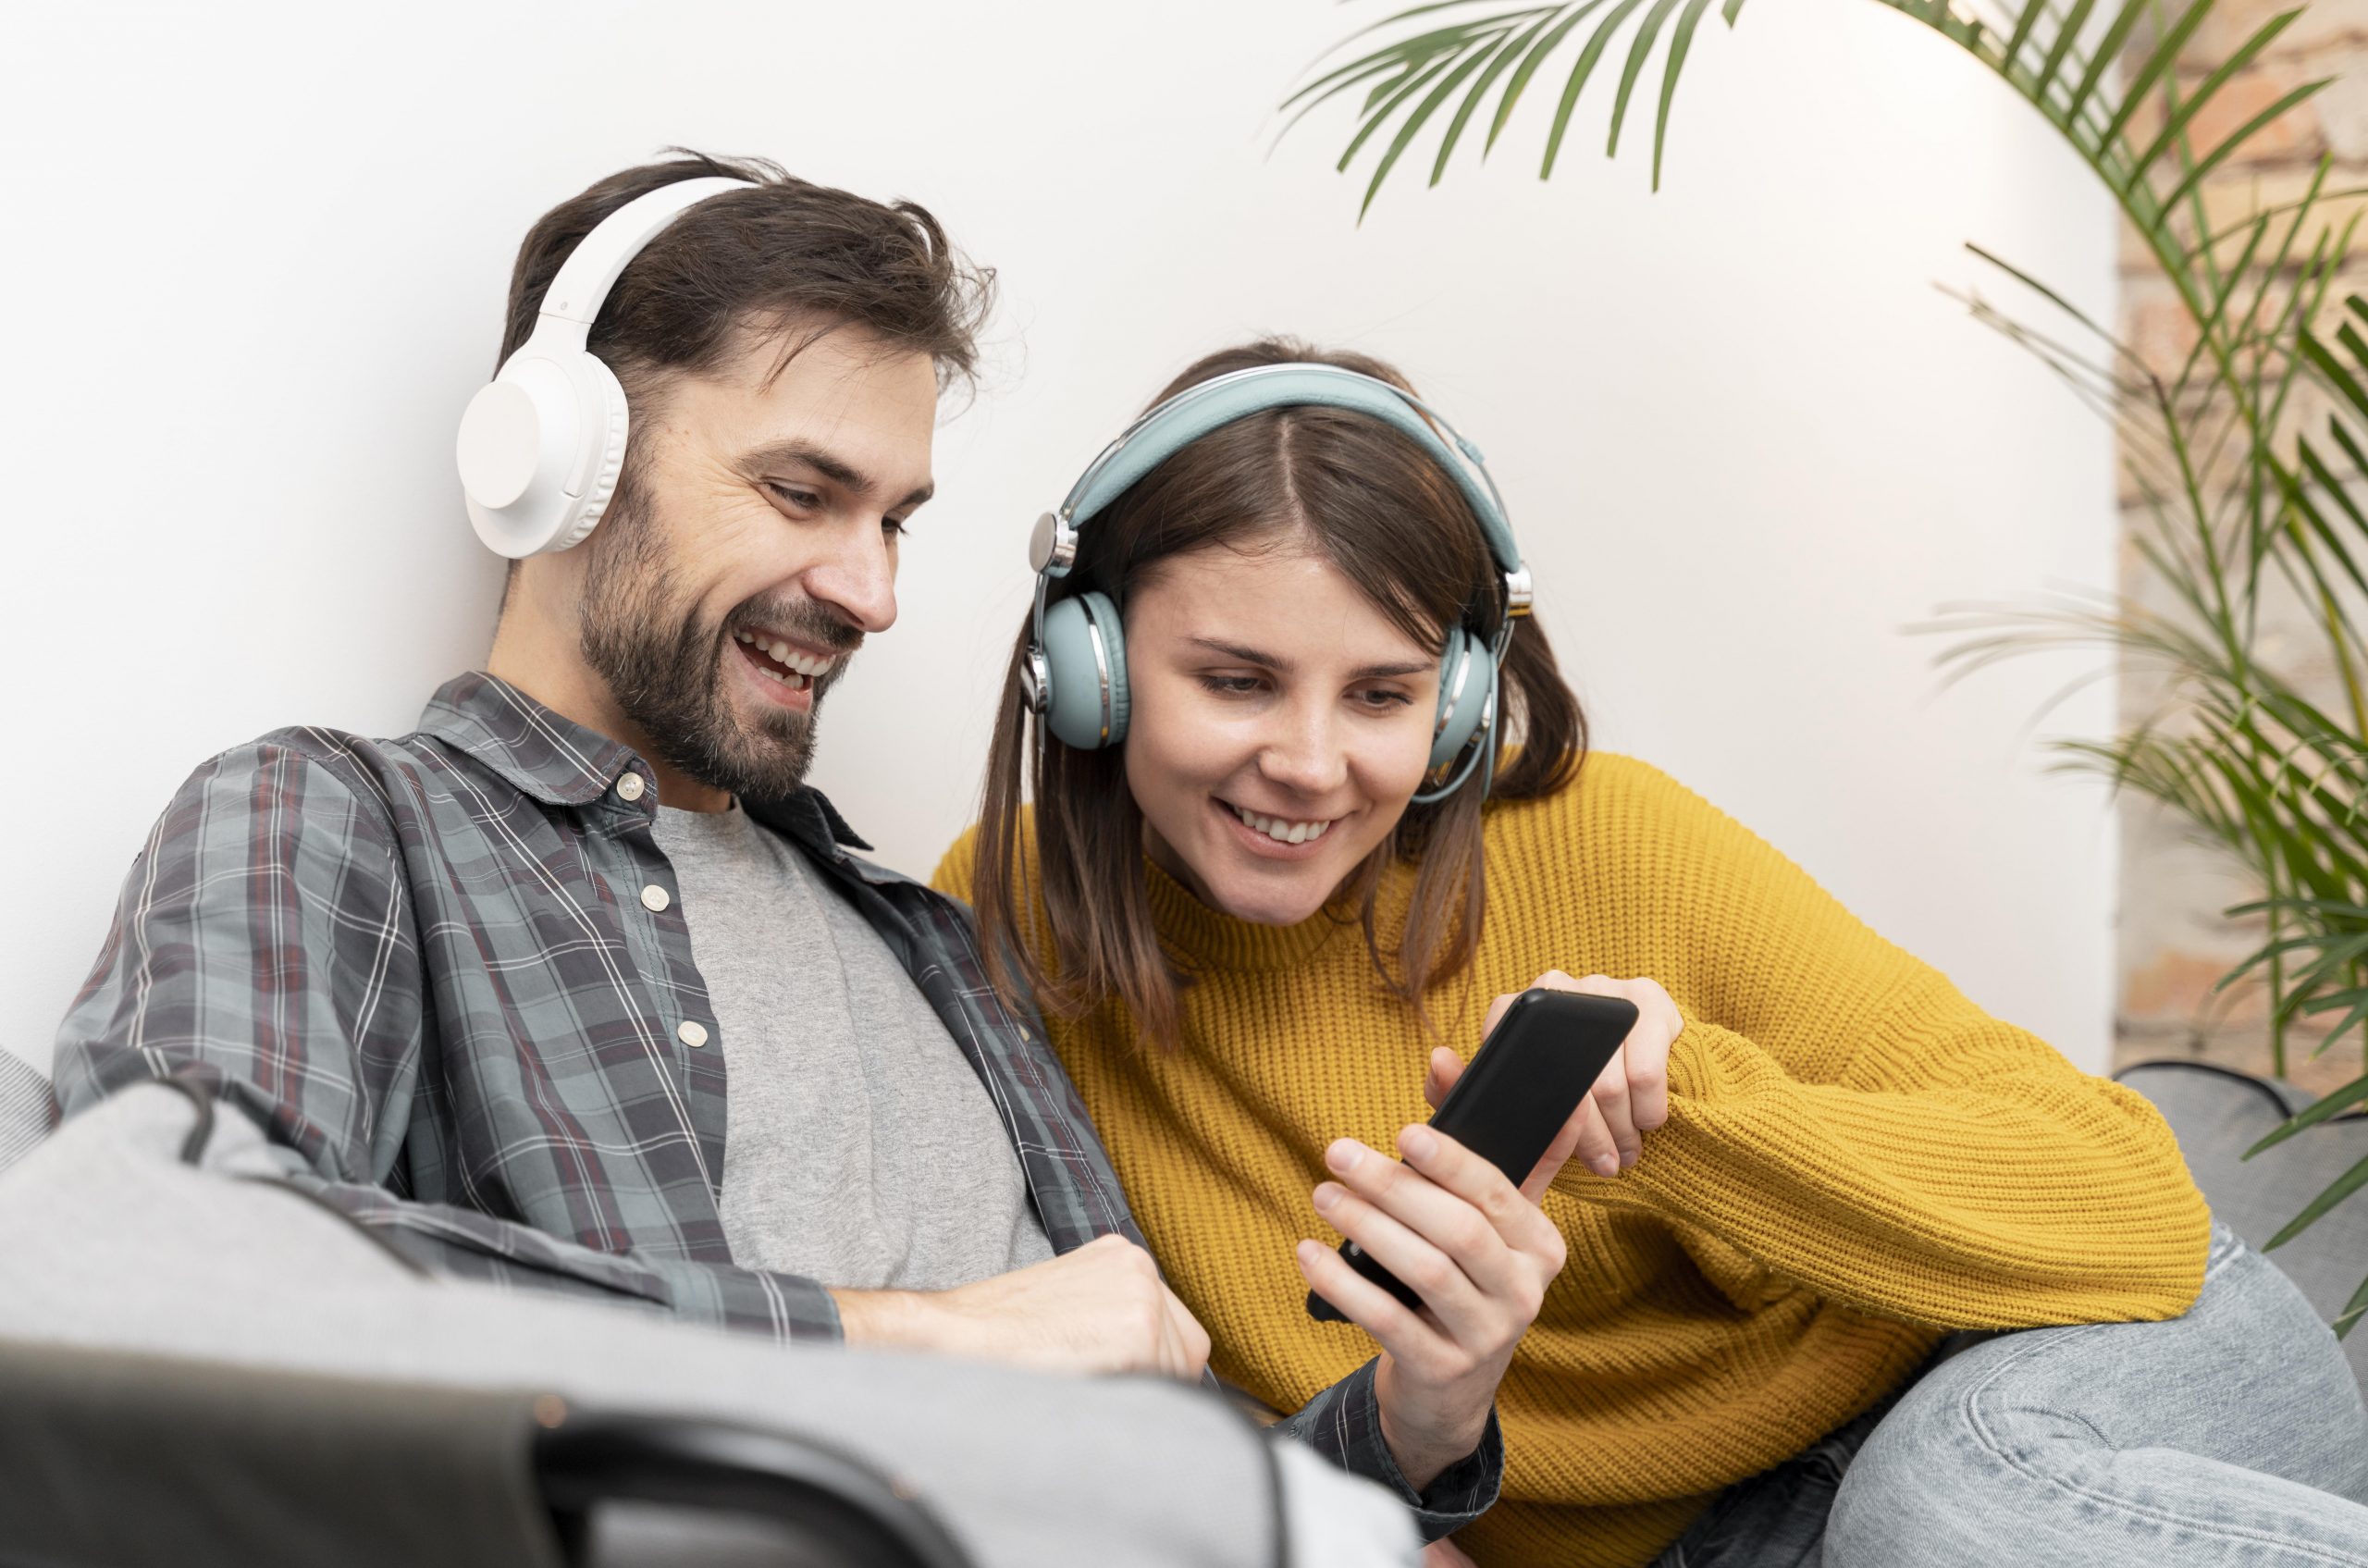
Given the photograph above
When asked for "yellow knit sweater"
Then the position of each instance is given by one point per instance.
(1856, 1160)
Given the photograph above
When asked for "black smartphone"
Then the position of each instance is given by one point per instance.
(1529, 1076)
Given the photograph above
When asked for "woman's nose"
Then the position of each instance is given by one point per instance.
(1303, 754)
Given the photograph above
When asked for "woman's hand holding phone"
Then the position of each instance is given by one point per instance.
(1451, 1225)
(1631, 1098)
(1474, 1246)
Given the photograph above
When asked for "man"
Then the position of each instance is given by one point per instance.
(578, 987)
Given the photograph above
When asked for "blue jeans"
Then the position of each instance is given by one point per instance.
(2233, 1435)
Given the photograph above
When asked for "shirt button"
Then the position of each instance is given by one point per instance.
(654, 898)
(692, 1033)
(629, 788)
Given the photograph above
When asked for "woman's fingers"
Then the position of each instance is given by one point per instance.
(1610, 1097)
(1633, 1090)
(1398, 1329)
(1647, 1051)
(1595, 1150)
(1433, 1240)
(1520, 1229)
(1630, 1097)
(1446, 1071)
(1449, 1226)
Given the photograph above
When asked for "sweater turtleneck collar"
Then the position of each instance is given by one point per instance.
(1212, 941)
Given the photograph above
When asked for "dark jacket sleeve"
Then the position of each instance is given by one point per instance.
(1343, 1423)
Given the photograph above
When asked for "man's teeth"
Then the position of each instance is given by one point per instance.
(805, 664)
(1280, 830)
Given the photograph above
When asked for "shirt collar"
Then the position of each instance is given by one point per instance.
(550, 758)
(810, 818)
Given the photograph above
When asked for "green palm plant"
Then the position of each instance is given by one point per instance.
(2247, 458)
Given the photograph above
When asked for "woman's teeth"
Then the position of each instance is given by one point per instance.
(1278, 830)
(798, 669)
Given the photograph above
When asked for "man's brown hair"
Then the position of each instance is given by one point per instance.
(1372, 502)
(785, 258)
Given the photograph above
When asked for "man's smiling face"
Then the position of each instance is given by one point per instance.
(752, 547)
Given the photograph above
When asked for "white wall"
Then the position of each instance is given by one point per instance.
(256, 258)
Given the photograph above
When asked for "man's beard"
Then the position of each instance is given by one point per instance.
(663, 666)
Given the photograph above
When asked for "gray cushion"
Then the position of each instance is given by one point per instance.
(25, 1108)
(2218, 1114)
(150, 1225)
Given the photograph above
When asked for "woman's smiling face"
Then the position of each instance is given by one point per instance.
(1280, 724)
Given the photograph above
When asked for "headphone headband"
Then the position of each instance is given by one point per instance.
(580, 286)
(1170, 427)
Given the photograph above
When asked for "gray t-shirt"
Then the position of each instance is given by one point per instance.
(860, 1149)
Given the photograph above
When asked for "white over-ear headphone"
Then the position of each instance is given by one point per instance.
(542, 443)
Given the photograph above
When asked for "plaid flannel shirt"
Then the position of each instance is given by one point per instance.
(450, 977)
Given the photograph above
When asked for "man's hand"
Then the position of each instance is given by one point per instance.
(1628, 1101)
(1452, 1226)
(1100, 1308)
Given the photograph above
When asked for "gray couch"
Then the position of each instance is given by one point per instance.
(201, 1367)
(156, 1276)
(2218, 1115)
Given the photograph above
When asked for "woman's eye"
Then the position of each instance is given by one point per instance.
(1230, 686)
(1380, 699)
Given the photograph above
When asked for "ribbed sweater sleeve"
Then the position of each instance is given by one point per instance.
(1843, 1120)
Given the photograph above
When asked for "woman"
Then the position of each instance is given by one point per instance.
(1253, 905)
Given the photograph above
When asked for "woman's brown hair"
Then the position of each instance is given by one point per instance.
(1374, 504)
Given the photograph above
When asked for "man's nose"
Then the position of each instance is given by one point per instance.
(858, 576)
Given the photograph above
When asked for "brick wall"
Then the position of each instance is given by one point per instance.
(2174, 943)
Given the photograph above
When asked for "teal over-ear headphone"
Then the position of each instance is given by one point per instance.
(1074, 678)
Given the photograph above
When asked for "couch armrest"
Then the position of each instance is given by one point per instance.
(2217, 1114)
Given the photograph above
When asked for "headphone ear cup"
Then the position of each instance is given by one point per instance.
(540, 449)
(602, 401)
(1085, 669)
(1467, 681)
(517, 443)
(1112, 631)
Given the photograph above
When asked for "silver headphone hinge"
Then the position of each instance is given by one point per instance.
(1036, 680)
(1052, 546)
(1520, 594)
